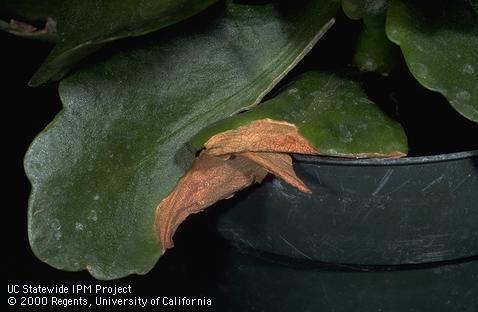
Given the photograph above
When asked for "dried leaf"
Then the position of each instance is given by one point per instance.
(213, 178)
(280, 165)
(232, 161)
(265, 135)
(209, 180)
(318, 113)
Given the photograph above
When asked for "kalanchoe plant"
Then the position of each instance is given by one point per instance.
(166, 124)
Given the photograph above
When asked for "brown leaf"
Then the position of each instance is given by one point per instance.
(209, 180)
(265, 135)
(232, 161)
(280, 165)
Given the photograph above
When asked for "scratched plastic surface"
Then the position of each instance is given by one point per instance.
(254, 285)
(367, 212)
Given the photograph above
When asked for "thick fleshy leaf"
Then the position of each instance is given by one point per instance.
(474, 5)
(440, 45)
(332, 113)
(358, 9)
(119, 145)
(318, 114)
(34, 10)
(374, 51)
(85, 26)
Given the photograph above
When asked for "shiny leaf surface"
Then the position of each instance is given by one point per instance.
(440, 46)
(85, 26)
(358, 9)
(374, 51)
(120, 144)
(332, 113)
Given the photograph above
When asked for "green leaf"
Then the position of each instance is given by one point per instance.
(474, 5)
(358, 9)
(85, 26)
(332, 113)
(440, 45)
(374, 51)
(34, 10)
(119, 145)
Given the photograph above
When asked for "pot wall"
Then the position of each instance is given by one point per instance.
(254, 285)
(366, 212)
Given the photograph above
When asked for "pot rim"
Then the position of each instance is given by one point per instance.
(328, 160)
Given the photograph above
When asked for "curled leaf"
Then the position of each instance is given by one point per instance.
(209, 180)
(317, 114)
(280, 165)
(264, 135)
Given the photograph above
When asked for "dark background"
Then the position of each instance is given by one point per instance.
(194, 266)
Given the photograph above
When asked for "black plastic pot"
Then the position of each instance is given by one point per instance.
(374, 235)
(251, 284)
